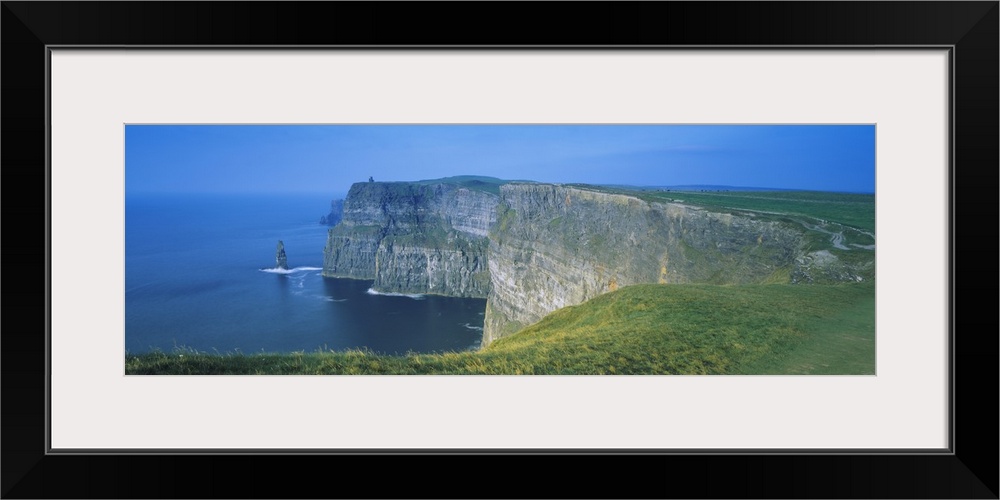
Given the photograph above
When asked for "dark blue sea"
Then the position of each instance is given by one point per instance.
(199, 274)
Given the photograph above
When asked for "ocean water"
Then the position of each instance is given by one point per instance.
(199, 273)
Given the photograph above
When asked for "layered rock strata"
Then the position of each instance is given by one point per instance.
(535, 248)
(557, 246)
(414, 238)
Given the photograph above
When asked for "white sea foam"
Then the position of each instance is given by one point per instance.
(414, 296)
(275, 270)
(470, 327)
(331, 299)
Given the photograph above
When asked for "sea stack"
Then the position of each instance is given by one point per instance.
(279, 256)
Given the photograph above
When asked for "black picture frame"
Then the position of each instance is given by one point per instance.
(969, 28)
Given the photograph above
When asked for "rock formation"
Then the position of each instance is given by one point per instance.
(336, 213)
(414, 238)
(534, 248)
(281, 260)
(557, 246)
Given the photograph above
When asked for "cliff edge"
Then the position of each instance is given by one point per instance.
(414, 238)
(533, 248)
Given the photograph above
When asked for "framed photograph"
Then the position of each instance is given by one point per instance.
(463, 257)
(182, 149)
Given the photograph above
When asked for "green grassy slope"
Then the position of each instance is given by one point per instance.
(642, 329)
(475, 182)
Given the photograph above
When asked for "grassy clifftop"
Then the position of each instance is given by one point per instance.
(642, 329)
(852, 209)
(475, 182)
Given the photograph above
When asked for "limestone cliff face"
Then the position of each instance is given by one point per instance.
(406, 206)
(409, 268)
(414, 238)
(336, 213)
(535, 248)
(557, 246)
(350, 251)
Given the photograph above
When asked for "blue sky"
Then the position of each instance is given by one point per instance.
(329, 158)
